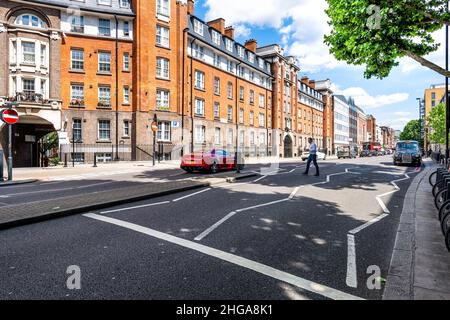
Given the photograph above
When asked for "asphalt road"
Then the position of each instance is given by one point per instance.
(281, 235)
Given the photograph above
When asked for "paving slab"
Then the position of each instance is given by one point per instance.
(420, 264)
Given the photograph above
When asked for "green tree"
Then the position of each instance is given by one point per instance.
(436, 119)
(411, 131)
(376, 33)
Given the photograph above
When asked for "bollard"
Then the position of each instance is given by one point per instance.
(95, 160)
(1, 165)
(65, 160)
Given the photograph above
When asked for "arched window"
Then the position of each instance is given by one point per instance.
(30, 20)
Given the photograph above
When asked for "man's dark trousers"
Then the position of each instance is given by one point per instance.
(312, 158)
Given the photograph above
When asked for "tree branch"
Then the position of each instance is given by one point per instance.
(427, 63)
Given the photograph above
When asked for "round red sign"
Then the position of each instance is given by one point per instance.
(10, 116)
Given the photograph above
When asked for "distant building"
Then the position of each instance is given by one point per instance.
(371, 128)
(341, 122)
(432, 97)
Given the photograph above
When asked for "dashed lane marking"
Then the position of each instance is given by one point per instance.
(291, 197)
(136, 207)
(191, 195)
(260, 268)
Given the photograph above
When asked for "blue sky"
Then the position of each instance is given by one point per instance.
(299, 26)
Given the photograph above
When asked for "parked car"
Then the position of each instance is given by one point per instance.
(347, 152)
(320, 156)
(365, 153)
(408, 152)
(213, 161)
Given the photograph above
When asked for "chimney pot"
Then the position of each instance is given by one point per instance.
(229, 32)
(190, 7)
(251, 45)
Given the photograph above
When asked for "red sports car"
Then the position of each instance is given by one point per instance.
(212, 161)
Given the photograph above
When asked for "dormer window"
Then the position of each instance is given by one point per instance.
(125, 4)
(241, 52)
(216, 37)
(198, 27)
(229, 45)
(30, 20)
(251, 57)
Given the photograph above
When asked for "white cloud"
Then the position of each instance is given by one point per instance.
(242, 31)
(402, 113)
(301, 24)
(367, 101)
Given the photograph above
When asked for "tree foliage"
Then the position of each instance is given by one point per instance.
(411, 131)
(436, 121)
(376, 33)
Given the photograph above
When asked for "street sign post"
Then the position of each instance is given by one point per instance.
(1, 166)
(10, 117)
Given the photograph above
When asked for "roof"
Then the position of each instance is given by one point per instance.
(89, 5)
(207, 38)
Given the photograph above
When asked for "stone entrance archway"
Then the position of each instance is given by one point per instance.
(27, 134)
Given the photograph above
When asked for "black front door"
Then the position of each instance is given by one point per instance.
(288, 147)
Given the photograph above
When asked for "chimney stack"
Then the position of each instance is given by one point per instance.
(312, 84)
(190, 10)
(251, 45)
(229, 32)
(305, 80)
(218, 24)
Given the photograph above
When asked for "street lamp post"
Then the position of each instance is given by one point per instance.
(420, 118)
(154, 130)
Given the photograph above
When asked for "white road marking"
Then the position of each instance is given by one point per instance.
(352, 279)
(262, 205)
(351, 248)
(260, 268)
(214, 226)
(136, 207)
(368, 224)
(260, 178)
(291, 197)
(191, 195)
(230, 215)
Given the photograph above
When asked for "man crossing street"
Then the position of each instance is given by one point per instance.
(312, 157)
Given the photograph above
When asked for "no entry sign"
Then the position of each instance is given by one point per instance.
(10, 116)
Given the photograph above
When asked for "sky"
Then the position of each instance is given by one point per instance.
(299, 27)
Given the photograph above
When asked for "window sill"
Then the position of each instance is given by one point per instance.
(100, 73)
(126, 104)
(126, 71)
(163, 47)
(77, 71)
(104, 141)
(163, 79)
(126, 138)
(200, 89)
(28, 64)
(199, 116)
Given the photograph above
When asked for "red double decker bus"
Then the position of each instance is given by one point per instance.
(370, 149)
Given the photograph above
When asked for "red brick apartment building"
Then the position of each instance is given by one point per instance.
(110, 66)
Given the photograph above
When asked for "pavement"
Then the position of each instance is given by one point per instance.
(420, 265)
(279, 235)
